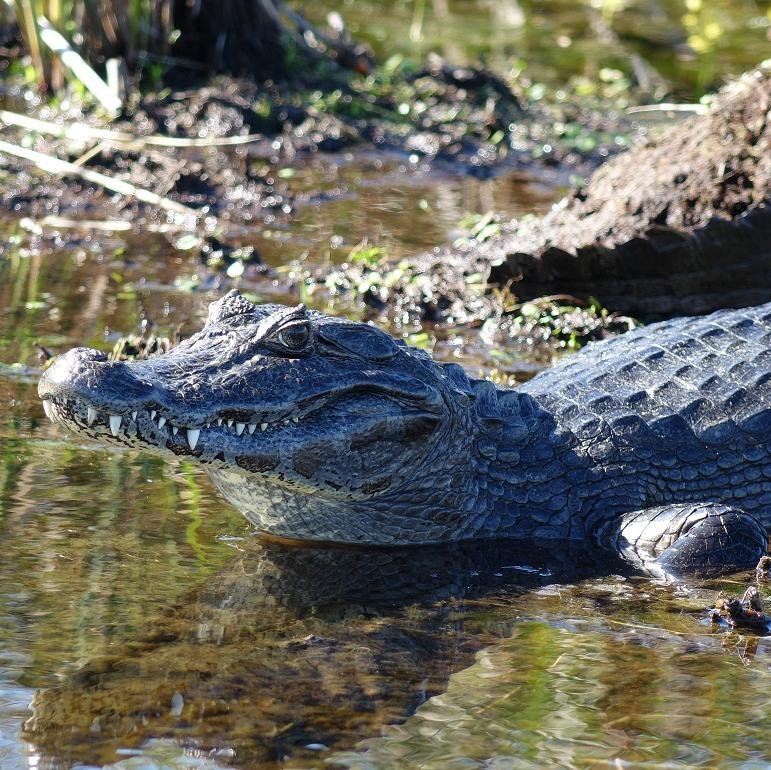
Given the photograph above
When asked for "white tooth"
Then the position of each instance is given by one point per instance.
(161, 422)
(115, 421)
(152, 414)
(47, 409)
(192, 437)
(134, 415)
(219, 421)
(264, 426)
(175, 430)
(92, 415)
(240, 428)
(252, 427)
(230, 423)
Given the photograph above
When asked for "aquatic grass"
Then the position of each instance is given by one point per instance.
(27, 12)
(366, 254)
(145, 38)
(478, 228)
(560, 321)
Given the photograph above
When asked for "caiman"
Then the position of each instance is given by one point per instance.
(655, 444)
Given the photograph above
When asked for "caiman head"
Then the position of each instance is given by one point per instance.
(316, 428)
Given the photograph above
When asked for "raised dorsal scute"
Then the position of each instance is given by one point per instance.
(230, 304)
(486, 404)
(458, 379)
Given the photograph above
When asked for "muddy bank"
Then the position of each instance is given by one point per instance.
(680, 224)
(459, 119)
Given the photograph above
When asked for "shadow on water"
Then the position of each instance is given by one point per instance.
(288, 647)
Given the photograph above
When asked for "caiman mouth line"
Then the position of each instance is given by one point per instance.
(77, 414)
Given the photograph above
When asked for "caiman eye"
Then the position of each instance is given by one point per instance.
(294, 337)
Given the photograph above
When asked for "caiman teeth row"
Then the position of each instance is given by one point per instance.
(115, 421)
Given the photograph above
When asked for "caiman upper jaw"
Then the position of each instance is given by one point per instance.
(88, 375)
(111, 401)
(82, 382)
(84, 391)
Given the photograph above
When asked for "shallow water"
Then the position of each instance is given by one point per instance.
(142, 624)
(136, 605)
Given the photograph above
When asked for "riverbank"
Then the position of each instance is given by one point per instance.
(679, 224)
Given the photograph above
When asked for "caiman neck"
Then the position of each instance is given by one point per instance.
(521, 457)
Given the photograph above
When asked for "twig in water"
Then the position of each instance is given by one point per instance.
(83, 131)
(78, 66)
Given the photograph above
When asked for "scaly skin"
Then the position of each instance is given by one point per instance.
(654, 443)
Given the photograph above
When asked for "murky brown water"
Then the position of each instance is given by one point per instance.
(135, 605)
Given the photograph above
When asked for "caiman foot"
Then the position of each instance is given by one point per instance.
(694, 539)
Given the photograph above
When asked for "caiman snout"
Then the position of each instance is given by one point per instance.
(87, 376)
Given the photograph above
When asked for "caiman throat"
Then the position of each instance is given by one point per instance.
(656, 444)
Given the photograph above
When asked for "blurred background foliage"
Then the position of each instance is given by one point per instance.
(677, 46)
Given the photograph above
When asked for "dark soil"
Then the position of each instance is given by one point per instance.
(466, 120)
(225, 36)
(680, 224)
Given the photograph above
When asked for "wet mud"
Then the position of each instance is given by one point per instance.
(680, 224)
(461, 120)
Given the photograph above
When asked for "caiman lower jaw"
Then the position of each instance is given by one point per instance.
(145, 427)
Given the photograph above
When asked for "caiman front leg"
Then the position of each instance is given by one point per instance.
(697, 539)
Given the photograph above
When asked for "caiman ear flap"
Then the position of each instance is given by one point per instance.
(359, 339)
(230, 305)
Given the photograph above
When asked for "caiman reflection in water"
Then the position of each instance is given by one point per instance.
(295, 646)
